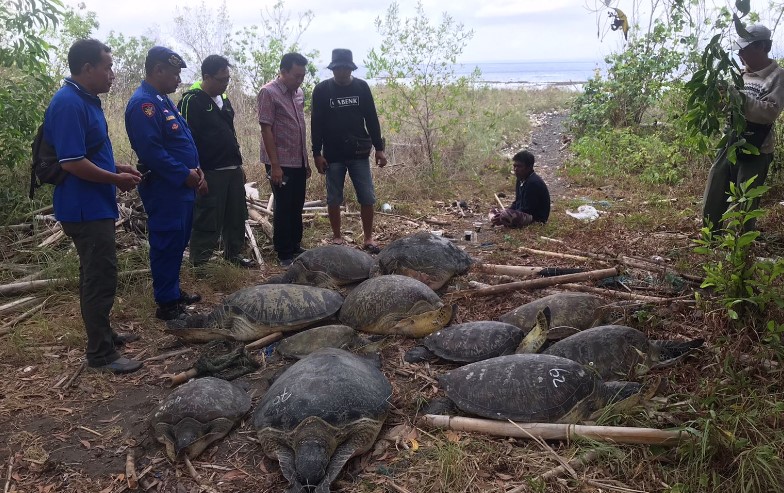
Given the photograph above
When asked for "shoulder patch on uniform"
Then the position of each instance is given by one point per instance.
(175, 126)
(170, 117)
(148, 109)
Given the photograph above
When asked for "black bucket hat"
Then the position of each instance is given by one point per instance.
(342, 58)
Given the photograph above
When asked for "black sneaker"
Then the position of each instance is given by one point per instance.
(124, 338)
(245, 263)
(120, 365)
(189, 299)
(169, 311)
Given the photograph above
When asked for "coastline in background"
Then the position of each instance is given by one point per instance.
(529, 74)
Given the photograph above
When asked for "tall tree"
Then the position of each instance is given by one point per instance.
(202, 31)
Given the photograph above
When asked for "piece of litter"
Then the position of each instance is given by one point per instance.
(584, 213)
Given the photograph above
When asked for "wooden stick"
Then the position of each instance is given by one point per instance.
(10, 472)
(191, 470)
(553, 431)
(611, 292)
(183, 377)
(314, 203)
(9, 326)
(498, 199)
(255, 207)
(170, 354)
(254, 245)
(509, 270)
(15, 288)
(12, 306)
(130, 471)
(539, 283)
(43, 210)
(265, 341)
(75, 375)
(271, 202)
(553, 254)
(576, 464)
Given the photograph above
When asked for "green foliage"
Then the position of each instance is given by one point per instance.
(75, 24)
(257, 49)
(613, 153)
(26, 82)
(741, 282)
(417, 59)
(637, 77)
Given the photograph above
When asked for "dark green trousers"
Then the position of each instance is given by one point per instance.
(722, 173)
(220, 214)
(95, 244)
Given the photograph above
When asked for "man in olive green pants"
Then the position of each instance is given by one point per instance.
(220, 212)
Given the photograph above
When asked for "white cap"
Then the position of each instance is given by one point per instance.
(757, 32)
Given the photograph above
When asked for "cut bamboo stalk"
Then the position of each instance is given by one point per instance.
(52, 240)
(43, 210)
(17, 305)
(539, 283)
(553, 254)
(271, 203)
(265, 341)
(130, 471)
(170, 354)
(498, 199)
(183, 377)
(509, 270)
(314, 203)
(266, 226)
(9, 326)
(254, 245)
(610, 292)
(15, 288)
(554, 431)
(576, 464)
(258, 208)
(19, 227)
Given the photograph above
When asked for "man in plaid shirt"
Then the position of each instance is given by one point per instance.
(281, 105)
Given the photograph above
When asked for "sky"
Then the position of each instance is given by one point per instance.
(504, 30)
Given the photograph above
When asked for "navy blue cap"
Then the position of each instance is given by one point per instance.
(165, 55)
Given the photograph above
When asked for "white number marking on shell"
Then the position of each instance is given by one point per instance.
(557, 375)
(283, 397)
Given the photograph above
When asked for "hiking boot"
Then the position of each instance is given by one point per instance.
(189, 299)
(169, 311)
(120, 365)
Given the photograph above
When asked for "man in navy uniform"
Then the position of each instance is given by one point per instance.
(169, 163)
(85, 202)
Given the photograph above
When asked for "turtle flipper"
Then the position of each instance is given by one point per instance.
(286, 461)
(536, 338)
(339, 458)
(418, 354)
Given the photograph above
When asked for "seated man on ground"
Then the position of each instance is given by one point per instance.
(532, 199)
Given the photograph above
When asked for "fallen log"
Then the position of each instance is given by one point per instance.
(539, 283)
(553, 431)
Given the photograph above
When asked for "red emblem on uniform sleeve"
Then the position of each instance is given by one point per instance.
(148, 109)
(175, 126)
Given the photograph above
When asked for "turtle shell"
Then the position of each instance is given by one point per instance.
(612, 350)
(576, 310)
(252, 313)
(332, 384)
(431, 259)
(474, 341)
(203, 399)
(381, 304)
(523, 387)
(306, 342)
(330, 266)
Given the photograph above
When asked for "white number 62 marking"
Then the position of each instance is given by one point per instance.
(558, 377)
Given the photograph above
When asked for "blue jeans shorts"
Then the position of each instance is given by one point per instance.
(359, 172)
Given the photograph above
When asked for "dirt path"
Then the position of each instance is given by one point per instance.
(548, 145)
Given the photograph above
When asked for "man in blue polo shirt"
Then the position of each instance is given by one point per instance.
(85, 202)
(170, 163)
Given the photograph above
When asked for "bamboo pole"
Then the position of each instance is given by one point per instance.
(610, 292)
(555, 431)
(498, 199)
(265, 341)
(266, 226)
(509, 270)
(15, 288)
(254, 245)
(553, 254)
(17, 304)
(539, 283)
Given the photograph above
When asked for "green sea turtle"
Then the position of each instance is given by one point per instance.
(477, 341)
(308, 341)
(532, 388)
(252, 313)
(395, 304)
(570, 313)
(431, 259)
(616, 350)
(328, 266)
(196, 414)
(323, 410)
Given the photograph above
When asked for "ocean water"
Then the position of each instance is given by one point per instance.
(566, 73)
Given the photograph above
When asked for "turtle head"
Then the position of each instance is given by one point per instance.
(188, 434)
(310, 462)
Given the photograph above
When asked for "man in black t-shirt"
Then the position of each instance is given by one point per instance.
(344, 128)
(532, 199)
